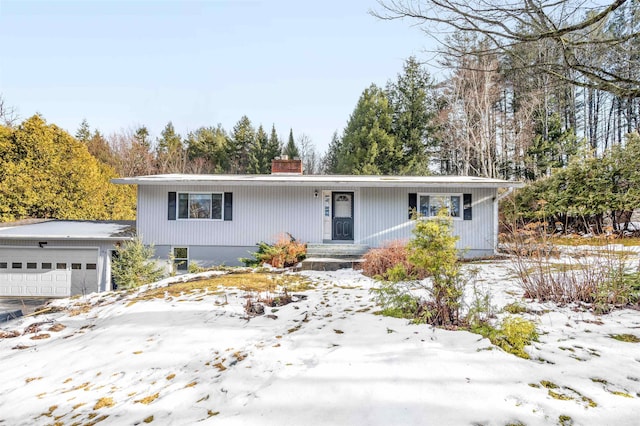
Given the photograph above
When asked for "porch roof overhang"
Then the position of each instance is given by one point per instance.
(339, 181)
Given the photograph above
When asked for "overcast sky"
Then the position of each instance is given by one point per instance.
(120, 64)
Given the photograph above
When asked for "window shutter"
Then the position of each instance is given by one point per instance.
(413, 203)
(466, 203)
(172, 206)
(228, 206)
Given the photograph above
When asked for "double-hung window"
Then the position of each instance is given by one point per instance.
(200, 206)
(430, 205)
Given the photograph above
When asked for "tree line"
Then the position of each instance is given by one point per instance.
(206, 150)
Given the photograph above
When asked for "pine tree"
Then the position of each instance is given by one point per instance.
(134, 265)
(330, 159)
(240, 143)
(207, 150)
(170, 152)
(368, 147)
(142, 136)
(258, 163)
(100, 148)
(291, 150)
(273, 148)
(84, 131)
(413, 108)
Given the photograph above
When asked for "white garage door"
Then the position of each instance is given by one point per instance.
(54, 272)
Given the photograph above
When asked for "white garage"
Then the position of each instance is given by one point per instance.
(50, 272)
(58, 258)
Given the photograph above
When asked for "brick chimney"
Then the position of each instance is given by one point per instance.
(284, 166)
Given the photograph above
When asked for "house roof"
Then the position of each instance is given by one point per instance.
(68, 230)
(317, 180)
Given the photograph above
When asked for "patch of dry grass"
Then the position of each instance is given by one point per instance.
(40, 336)
(246, 281)
(594, 241)
(57, 327)
(148, 399)
(104, 403)
(79, 308)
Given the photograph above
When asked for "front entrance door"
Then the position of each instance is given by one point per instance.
(342, 218)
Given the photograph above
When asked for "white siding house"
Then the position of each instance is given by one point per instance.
(215, 219)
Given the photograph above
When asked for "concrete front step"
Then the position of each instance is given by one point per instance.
(329, 264)
(339, 251)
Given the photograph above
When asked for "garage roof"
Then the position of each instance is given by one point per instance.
(315, 180)
(68, 230)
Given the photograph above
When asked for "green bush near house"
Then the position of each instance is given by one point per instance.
(432, 251)
(134, 266)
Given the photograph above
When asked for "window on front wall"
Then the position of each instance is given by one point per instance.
(429, 205)
(181, 258)
(200, 206)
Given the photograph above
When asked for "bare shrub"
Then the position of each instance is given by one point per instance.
(383, 261)
(599, 276)
(286, 252)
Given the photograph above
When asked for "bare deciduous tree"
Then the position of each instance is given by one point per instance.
(8, 114)
(133, 156)
(575, 32)
(308, 155)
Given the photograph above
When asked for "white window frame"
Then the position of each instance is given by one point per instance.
(210, 194)
(441, 194)
(177, 260)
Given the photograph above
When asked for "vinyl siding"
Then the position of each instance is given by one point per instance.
(265, 213)
(259, 214)
(385, 217)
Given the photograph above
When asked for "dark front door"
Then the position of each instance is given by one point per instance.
(342, 209)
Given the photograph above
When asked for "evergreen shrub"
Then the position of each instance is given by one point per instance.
(134, 266)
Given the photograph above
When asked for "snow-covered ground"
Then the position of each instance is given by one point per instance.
(323, 360)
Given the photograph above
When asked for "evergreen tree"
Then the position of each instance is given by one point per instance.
(291, 150)
(100, 148)
(413, 112)
(274, 146)
(552, 147)
(142, 136)
(259, 163)
(330, 159)
(368, 147)
(240, 143)
(134, 265)
(47, 173)
(84, 131)
(170, 152)
(207, 150)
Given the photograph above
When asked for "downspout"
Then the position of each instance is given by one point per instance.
(496, 226)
